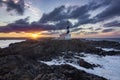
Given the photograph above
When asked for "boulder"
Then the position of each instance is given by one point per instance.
(87, 65)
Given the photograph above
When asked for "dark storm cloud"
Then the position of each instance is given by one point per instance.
(107, 30)
(55, 15)
(18, 26)
(0, 2)
(112, 24)
(61, 25)
(25, 26)
(22, 21)
(76, 29)
(61, 15)
(79, 12)
(111, 11)
(75, 12)
(11, 5)
(72, 12)
(84, 20)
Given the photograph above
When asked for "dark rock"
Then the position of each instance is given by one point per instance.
(87, 65)
(0, 49)
(19, 60)
(47, 49)
(19, 67)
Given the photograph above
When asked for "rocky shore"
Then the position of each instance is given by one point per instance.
(22, 61)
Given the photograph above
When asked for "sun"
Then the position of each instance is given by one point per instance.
(34, 36)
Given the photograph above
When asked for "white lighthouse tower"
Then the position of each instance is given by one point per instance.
(66, 35)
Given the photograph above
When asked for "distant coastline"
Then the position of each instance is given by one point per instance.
(93, 39)
(1, 38)
(101, 39)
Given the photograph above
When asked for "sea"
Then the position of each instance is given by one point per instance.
(6, 43)
(106, 39)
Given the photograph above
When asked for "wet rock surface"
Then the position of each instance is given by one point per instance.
(87, 65)
(19, 60)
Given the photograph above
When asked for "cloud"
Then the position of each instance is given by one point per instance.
(17, 5)
(76, 29)
(50, 32)
(111, 11)
(80, 13)
(107, 30)
(22, 25)
(56, 15)
(98, 29)
(58, 26)
(71, 12)
(63, 24)
(62, 17)
(112, 24)
(18, 26)
(88, 33)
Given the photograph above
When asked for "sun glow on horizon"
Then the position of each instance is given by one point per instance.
(30, 35)
(35, 36)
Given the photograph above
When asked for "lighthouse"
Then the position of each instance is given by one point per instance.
(66, 35)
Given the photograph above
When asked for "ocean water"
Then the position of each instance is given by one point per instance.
(6, 43)
(106, 39)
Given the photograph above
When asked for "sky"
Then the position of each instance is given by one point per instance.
(49, 18)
